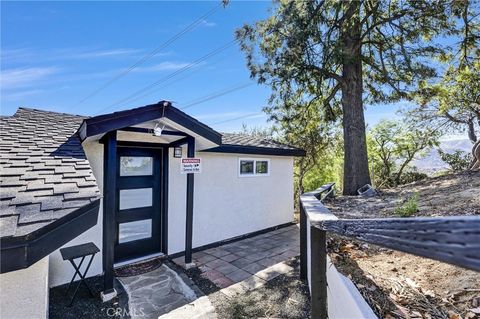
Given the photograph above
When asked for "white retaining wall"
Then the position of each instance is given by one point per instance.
(343, 298)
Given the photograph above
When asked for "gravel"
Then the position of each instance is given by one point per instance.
(84, 305)
(285, 296)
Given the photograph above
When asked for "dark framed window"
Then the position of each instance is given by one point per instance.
(253, 167)
(261, 167)
(246, 167)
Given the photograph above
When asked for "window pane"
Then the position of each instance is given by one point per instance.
(134, 230)
(261, 167)
(135, 165)
(246, 167)
(134, 198)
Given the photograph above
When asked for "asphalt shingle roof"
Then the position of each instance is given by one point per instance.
(44, 173)
(252, 140)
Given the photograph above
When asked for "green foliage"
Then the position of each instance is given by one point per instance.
(301, 48)
(458, 160)
(452, 102)
(328, 56)
(408, 208)
(329, 168)
(393, 145)
(412, 176)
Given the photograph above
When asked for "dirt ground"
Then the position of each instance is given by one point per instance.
(399, 285)
(86, 306)
(285, 296)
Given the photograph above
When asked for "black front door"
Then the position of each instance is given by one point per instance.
(138, 203)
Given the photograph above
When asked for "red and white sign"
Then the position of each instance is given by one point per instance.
(191, 165)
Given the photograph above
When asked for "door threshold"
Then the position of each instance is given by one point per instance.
(139, 259)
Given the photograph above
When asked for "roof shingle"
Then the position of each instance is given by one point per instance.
(253, 141)
(41, 162)
(44, 172)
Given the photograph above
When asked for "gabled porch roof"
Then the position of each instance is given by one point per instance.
(144, 119)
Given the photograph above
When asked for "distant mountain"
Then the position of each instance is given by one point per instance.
(432, 163)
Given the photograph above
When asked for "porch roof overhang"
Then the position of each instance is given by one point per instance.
(137, 124)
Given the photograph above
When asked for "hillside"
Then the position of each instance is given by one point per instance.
(399, 285)
(432, 163)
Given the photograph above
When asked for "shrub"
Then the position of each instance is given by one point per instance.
(412, 176)
(408, 208)
(458, 160)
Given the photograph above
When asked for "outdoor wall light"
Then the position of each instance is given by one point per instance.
(157, 131)
(177, 152)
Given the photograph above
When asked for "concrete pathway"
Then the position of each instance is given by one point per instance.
(162, 293)
(236, 267)
(238, 261)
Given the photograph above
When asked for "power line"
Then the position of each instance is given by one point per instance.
(189, 28)
(215, 95)
(238, 118)
(138, 94)
(174, 81)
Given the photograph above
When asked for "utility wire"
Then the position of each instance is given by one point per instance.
(215, 95)
(189, 28)
(141, 93)
(238, 118)
(176, 80)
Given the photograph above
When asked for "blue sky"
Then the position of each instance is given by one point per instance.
(54, 54)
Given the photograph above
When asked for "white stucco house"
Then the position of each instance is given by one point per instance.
(149, 181)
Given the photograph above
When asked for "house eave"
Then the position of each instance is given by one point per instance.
(102, 124)
(23, 251)
(255, 150)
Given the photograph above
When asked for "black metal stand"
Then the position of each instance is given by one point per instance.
(75, 252)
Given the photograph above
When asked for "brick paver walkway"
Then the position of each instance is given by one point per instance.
(239, 261)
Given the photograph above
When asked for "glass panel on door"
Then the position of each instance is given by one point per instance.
(136, 166)
(135, 198)
(136, 230)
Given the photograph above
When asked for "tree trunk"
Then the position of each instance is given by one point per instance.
(476, 156)
(400, 171)
(471, 131)
(356, 172)
(300, 186)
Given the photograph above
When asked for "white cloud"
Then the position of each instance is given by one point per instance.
(20, 94)
(103, 53)
(207, 24)
(163, 66)
(23, 77)
(65, 54)
(12, 55)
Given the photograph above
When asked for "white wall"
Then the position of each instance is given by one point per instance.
(24, 293)
(61, 271)
(177, 199)
(226, 205)
(343, 298)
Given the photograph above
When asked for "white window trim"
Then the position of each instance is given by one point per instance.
(254, 159)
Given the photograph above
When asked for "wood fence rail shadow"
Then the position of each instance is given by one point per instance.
(453, 239)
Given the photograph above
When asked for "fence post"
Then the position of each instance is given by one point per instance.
(318, 270)
(303, 243)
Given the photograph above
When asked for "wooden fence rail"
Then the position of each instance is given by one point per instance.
(455, 240)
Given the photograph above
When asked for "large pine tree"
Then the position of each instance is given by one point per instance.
(339, 54)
